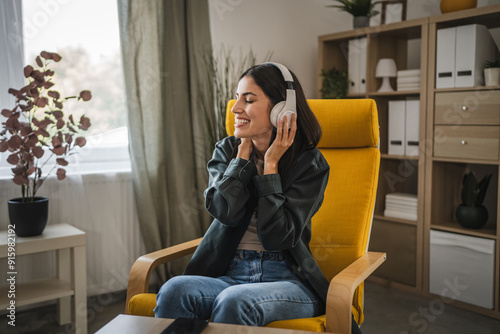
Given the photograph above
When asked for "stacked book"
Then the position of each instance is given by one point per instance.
(401, 205)
(408, 80)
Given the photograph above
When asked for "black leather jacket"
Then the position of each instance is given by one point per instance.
(284, 212)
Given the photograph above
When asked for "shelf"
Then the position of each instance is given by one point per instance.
(456, 228)
(343, 35)
(487, 15)
(356, 96)
(395, 93)
(466, 161)
(398, 157)
(465, 89)
(395, 220)
(37, 291)
(408, 29)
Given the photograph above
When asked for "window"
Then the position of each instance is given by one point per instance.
(86, 34)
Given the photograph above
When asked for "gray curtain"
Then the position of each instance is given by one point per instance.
(162, 46)
(11, 51)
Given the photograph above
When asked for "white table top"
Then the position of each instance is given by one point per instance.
(53, 237)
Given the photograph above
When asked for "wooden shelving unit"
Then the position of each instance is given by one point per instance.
(445, 171)
(435, 177)
(397, 173)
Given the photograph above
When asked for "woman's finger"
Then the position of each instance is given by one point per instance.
(293, 128)
(285, 129)
(279, 133)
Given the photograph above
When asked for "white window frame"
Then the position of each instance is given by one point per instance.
(94, 157)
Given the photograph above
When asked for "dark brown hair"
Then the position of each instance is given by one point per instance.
(270, 79)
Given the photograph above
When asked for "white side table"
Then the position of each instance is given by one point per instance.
(71, 281)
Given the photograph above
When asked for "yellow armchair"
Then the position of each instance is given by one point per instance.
(340, 229)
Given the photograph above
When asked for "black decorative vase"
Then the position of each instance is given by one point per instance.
(472, 216)
(29, 218)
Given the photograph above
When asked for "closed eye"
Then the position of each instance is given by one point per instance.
(246, 95)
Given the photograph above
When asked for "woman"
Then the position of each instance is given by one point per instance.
(254, 265)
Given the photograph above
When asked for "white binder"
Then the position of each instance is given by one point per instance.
(445, 58)
(461, 53)
(397, 127)
(412, 127)
(357, 65)
(474, 46)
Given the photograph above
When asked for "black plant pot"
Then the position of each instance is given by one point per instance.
(29, 218)
(472, 216)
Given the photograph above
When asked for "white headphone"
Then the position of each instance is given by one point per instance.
(287, 107)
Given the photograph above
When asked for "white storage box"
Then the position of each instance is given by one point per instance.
(462, 268)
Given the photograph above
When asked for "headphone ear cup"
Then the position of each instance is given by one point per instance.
(276, 112)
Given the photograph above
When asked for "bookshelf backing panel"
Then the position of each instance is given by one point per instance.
(399, 242)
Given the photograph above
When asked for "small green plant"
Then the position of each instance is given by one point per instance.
(473, 192)
(335, 84)
(492, 64)
(357, 7)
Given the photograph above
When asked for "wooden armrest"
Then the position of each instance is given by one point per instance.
(341, 291)
(140, 274)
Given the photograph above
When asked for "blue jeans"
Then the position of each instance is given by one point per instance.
(258, 288)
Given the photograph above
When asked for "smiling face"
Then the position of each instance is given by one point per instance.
(251, 110)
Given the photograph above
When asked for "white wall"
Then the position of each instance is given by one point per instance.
(290, 29)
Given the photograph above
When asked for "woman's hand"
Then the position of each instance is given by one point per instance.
(245, 148)
(284, 139)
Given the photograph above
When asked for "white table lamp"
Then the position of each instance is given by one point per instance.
(386, 68)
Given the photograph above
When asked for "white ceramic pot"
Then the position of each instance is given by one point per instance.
(492, 76)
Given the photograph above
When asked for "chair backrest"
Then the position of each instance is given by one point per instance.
(341, 228)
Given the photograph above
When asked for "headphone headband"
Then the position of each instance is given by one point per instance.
(284, 71)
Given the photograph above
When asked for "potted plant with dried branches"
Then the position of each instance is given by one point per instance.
(38, 138)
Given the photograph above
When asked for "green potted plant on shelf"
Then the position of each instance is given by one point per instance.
(335, 84)
(38, 139)
(472, 213)
(492, 73)
(361, 10)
